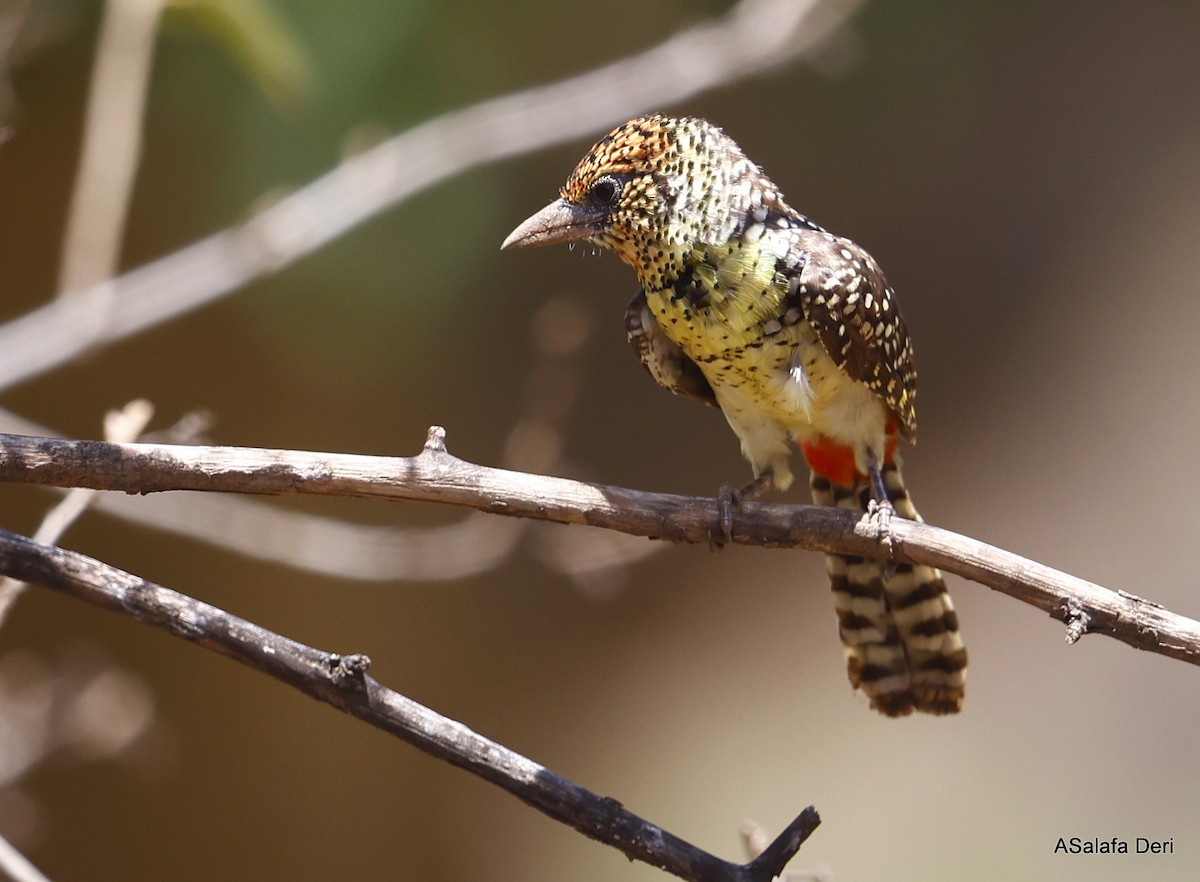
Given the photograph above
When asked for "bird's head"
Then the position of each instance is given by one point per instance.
(650, 190)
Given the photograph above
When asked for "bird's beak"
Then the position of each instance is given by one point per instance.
(560, 221)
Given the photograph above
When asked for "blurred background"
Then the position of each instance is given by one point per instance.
(1027, 173)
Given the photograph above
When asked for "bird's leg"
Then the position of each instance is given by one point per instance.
(728, 499)
(881, 510)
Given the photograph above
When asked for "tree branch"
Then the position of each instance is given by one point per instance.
(120, 426)
(436, 476)
(342, 681)
(752, 37)
(333, 547)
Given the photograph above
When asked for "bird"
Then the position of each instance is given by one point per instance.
(794, 333)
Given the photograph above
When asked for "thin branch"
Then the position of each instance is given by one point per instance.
(311, 542)
(112, 143)
(119, 426)
(436, 476)
(754, 36)
(12, 25)
(342, 681)
(16, 866)
(327, 545)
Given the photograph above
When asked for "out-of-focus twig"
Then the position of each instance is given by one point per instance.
(436, 476)
(12, 19)
(754, 36)
(16, 866)
(342, 681)
(112, 144)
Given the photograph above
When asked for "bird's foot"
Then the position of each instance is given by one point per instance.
(728, 499)
(880, 514)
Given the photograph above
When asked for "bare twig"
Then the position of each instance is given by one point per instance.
(312, 542)
(112, 143)
(755, 35)
(12, 22)
(436, 476)
(119, 426)
(315, 543)
(756, 841)
(342, 681)
(16, 866)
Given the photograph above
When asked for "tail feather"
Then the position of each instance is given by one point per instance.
(900, 635)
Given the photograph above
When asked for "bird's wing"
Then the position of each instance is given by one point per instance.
(662, 358)
(850, 305)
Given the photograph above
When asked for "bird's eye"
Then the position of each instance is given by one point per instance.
(606, 190)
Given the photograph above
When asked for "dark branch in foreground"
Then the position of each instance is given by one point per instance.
(342, 681)
(436, 476)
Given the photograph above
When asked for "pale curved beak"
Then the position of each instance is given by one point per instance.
(560, 221)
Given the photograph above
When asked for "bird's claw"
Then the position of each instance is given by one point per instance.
(880, 514)
(727, 498)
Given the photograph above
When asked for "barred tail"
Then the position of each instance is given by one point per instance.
(903, 649)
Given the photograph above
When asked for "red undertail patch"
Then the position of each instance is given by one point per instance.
(836, 461)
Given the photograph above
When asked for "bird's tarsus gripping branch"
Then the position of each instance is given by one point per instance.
(728, 499)
(880, 511)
